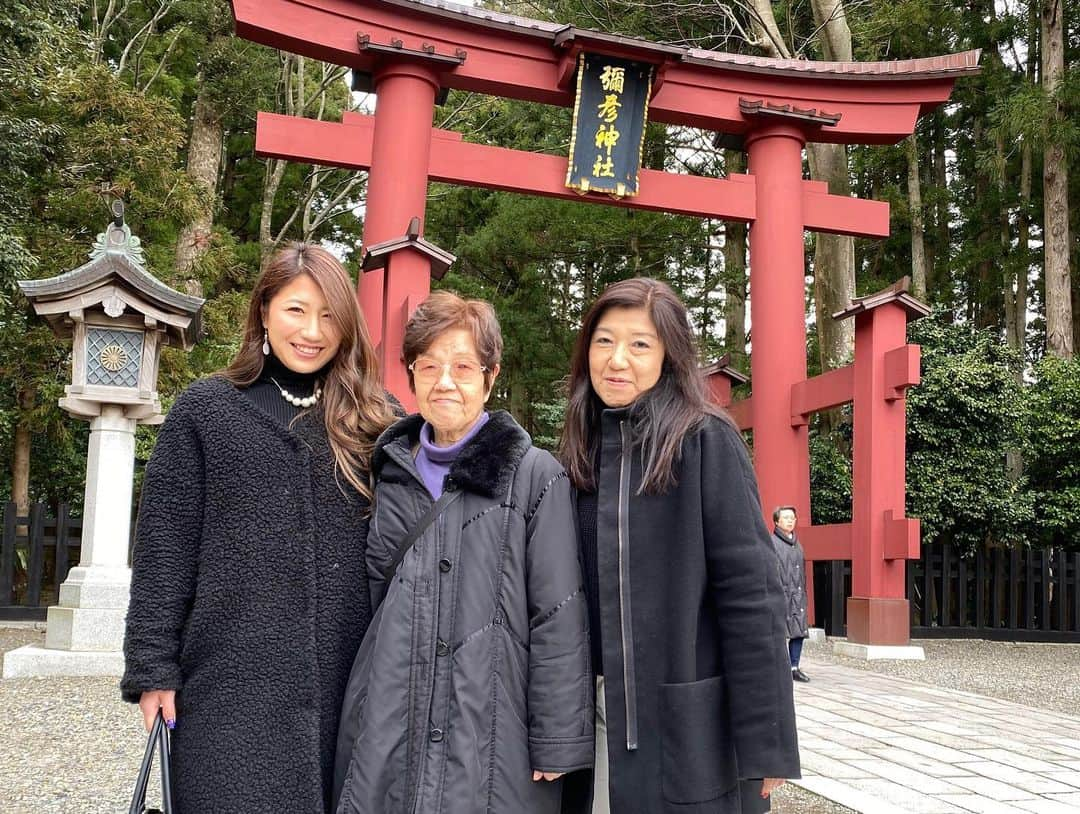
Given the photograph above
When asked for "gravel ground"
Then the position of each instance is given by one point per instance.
(67, 745)
(1046, 676)
(71, 746)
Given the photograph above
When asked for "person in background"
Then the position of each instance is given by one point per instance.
(249, 590)
(792, 562)
(472, 690)
(694, 708)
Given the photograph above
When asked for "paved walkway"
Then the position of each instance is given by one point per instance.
(884, 745)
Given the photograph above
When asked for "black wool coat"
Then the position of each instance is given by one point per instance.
(249, 597)
(791, 560)
(475, 670)
(696, 672)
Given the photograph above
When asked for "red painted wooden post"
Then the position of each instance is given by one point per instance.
(777, 308)
(882, 537)
(397, 192)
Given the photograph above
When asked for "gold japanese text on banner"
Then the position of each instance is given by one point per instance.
(610, 111)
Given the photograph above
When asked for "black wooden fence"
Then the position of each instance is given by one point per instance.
(1020, 594)
(36, 552)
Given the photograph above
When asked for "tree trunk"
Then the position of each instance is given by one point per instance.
(1010, 260)
(1014, 293)
(20, 459)
(834, 263)
(769, 39)
(1076, 310)
(834, 33)
(834, 255)
(918, 243)
(204, 161)
(1023, 240)
(735, 277)
(942, 237)
(1059, 327)
(290, 88)
(275, 171)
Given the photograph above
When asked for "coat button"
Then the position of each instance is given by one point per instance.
(435, 735)
(442, 648)
(445, 565)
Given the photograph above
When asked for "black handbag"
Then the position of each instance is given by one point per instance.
(158, 741)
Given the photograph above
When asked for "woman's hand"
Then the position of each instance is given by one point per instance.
(770, 784)
(552, 775)
(152, 701)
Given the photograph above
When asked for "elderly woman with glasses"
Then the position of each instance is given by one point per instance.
(472, 688)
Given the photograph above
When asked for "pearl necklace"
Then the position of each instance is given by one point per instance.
(297, 401)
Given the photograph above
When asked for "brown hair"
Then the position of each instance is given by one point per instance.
(354, 403)
(662, 416)
(445, 311)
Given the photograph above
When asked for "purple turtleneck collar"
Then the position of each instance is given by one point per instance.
(433, 462)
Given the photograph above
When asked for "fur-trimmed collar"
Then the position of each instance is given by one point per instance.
(487, 463)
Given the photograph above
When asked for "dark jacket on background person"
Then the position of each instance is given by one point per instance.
(475, 671)
(249, 597)
(792, 566)
(696, 671)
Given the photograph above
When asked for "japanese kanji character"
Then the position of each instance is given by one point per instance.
(612, 78)
(608, 110)
(606, 137)
(602, 168)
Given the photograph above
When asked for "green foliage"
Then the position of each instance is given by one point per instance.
(1053, 449)
(830, 473)
(962, 420)
(86, 118)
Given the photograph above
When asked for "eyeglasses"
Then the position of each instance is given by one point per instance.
(461, 370)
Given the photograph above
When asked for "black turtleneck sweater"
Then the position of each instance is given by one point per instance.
(586, 511)
(265, 392)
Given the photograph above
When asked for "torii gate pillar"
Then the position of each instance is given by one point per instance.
(777, 308)
(882, 538)
(397, 193)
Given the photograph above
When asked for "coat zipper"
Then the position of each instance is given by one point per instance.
(629, 683)
(440, 527)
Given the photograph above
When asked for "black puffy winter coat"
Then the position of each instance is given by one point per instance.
(792, 569)
(249, 597)
(697, 679)
(475, 669)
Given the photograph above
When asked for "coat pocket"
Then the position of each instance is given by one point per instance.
(698, 756)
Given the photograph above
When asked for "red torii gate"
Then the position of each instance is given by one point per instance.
(411, 51)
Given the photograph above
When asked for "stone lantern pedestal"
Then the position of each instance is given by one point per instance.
(118, 316)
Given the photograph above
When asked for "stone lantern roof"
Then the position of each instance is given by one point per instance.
(115, 280)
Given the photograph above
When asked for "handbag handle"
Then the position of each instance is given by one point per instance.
(159, 740)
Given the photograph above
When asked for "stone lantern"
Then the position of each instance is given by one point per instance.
(118, 317)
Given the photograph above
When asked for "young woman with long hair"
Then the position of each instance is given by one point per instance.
(249, 589)
(694, 708)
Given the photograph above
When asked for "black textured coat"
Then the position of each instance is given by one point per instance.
(249, 597)
(475, 670)
(689, 595)
(791, 561)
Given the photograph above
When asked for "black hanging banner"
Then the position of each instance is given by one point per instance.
(610, 111)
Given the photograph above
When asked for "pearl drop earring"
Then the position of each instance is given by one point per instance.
(266, 342)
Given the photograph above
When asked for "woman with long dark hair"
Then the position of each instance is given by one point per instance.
(694, 709)
(249, 587)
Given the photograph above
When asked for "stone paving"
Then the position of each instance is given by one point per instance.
(884, 745)
(870, 742)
